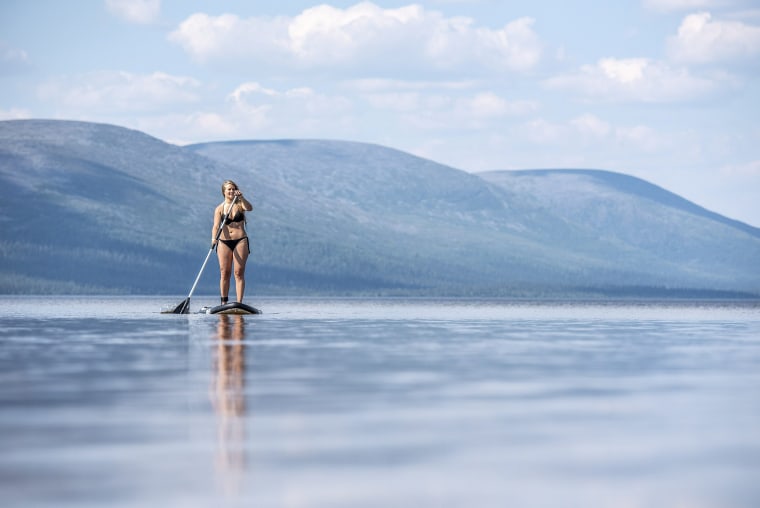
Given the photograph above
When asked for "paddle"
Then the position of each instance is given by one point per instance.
(184, 307)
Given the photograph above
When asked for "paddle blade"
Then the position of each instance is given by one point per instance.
(182, 308)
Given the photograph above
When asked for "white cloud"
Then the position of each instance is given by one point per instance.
(640, 137)
(571, 139)
(239, 94)
(702, 39)
(591, 125)
(591, 129)
(253, 109)
(182, 129)
(624, 71)
(425, 107)
(487, 105)
(227, 37)
(254, 93)
(135, 11)
(109, 91)
(542, 131)
(293, 112)
(325, 33)
(634, 80)
(12, 60)
(683, 5)
(14, 114)
(392, 85)
(439, 105)
(364, 36)
(747, 170)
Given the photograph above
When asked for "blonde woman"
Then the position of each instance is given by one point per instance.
(233, 248)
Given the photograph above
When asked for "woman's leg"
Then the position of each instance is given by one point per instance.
(224, 254)
(241, 257)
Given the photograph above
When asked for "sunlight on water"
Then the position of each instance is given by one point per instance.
(380, 403)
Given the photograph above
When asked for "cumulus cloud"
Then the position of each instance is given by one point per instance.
(253, 109)
(591, 126)
(640, 137)
(296, 111)
(589, 130)
(702, 39)
(478, 111)
(135, 11)
(387, 85)
(439, 105)
(110, 91)
(253, 94)
(363, 36)
(635, 80)
(12, 60)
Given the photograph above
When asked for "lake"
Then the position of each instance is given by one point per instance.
(379, 403)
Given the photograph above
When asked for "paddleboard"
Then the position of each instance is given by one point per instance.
(233, 308)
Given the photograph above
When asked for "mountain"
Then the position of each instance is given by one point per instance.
(99, 208)
(642, 227)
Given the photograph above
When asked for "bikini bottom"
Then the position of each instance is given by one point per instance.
(233, 243)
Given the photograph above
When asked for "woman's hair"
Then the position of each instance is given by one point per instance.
(228, 182)
(238, 206)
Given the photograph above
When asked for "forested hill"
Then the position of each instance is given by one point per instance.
(99, 208)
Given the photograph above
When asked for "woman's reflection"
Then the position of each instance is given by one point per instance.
(228, 399)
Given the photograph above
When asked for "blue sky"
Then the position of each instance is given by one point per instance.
(666, 90)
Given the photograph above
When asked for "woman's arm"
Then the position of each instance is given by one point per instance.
(244, 203)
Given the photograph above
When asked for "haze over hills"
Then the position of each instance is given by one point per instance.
(99, 208)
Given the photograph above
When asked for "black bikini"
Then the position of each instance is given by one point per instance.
(239, 217)
(233, 243)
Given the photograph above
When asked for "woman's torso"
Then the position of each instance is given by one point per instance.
(234, 228)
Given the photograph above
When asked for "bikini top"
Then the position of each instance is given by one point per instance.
(239, 217)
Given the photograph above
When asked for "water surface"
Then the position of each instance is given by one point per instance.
(379, 403)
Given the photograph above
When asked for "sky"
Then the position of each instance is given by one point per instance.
(665, 90)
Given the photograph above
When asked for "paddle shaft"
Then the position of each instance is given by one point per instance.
(216, 240)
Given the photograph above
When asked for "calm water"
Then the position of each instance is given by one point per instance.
(379, 403)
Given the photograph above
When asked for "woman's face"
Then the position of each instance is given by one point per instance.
(229, 191)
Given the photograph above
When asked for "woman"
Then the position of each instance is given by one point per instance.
(233, 242)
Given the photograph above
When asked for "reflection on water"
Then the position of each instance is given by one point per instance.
(228, 400)
(379, 403)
